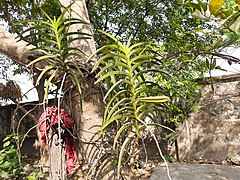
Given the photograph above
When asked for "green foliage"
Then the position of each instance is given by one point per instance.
(27, 9)
(167, 22)
(125, 70)
(55, 40)
(10, 166)
(225, 13)
(180, 87)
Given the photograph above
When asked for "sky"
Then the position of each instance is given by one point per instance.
(230, 69)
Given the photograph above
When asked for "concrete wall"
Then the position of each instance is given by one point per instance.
(213, 131)
(26, 124)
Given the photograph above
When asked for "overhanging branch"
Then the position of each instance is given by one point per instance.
(216, 54)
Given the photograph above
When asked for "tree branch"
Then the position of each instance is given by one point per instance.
(223, 56)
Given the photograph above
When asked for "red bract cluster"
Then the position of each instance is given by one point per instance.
(48, 119)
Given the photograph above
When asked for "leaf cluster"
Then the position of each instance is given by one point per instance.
(10, 165)
(54, 39)
(129, 99)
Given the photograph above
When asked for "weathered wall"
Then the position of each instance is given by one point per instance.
(213, 131)
(26, 124)
(5, 121)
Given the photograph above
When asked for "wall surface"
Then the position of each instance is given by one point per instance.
(213, 131)
(22, 124)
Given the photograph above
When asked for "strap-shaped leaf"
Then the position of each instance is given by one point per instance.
(69, 55)
(99, 51)
(67, 35)
(66, 50)
(146, 71)
(150, 83)
(70, 63)
(111, 74)
(46, 48)
(48, 84)
(44, 71)
(136, 45)
(141, 58)
(116, 65)
(119, 132)
(144, 107)
(124, 110)
(74, 20)
(114, 98)
(113, 38)
(131, 135)
(137, 65)
(117, 106)
(49, 18)
(60, 18)
(42, 58)
(150, 112)
(154, 99)
(106, 124)
(135, 51)
(52, 42)
(114, 85)
(65, 43)
(60, 30)
(76, 81)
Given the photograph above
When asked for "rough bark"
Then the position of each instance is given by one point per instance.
(79, 10)
(18, 51)
(88, 122)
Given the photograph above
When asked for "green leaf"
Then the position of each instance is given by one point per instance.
(70, 63)
(146, 71)
(44, 71)
(76, 81)
(6, 165)
(136, 45)
(65, 35)
(113, 65)
(3, 173)
(111, 74)
(109, 122)
(70, 55)
(122, 152)
(154, 99)
(141, 58)
(215, 6)
(114, 98)
(114, 85)
(116, 106)
(46, 48)
(48, 83)
(66, 43)
(122, 111)
(113, 38)
(6, 144)
(42, 58)
(111, 163)
(123, 127)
